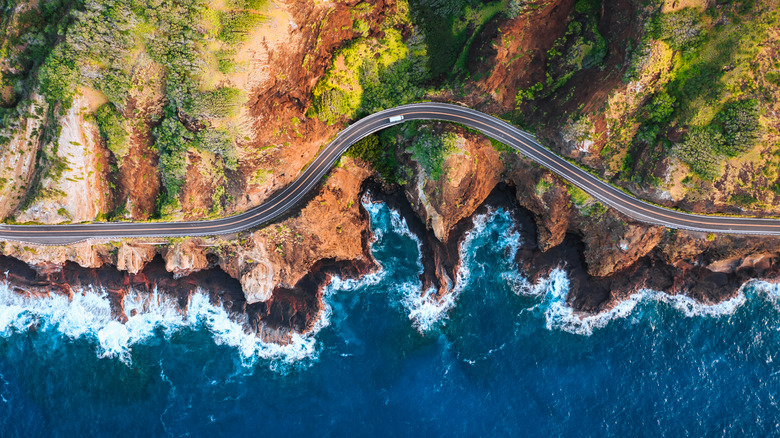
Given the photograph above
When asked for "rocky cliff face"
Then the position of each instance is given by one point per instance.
(274, 275)
(72, 186)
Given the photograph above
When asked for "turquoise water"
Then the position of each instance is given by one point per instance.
(500, 357)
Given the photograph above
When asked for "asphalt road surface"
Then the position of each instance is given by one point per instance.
(311, 176)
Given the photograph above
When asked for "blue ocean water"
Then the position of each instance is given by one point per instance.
(499, 357)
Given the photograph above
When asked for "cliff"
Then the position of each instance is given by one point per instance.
(593, 79)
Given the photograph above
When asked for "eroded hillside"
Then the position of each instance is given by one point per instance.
(151, 109)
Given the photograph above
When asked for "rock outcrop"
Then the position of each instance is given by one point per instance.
(72, 188)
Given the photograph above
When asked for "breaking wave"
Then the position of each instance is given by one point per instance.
(553, 291)
(425, 309)
(87, 315)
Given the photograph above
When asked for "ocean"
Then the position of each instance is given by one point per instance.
(499, 357)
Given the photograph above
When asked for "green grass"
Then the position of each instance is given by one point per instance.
(710, 94)
(478, 18)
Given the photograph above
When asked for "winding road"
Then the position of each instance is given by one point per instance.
(322, 163)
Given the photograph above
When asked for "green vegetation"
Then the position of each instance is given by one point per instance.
(59, 46)
(236, 25)
(376, 74)
(578, 197)
(699, 150)
(431, 150)
(371, 74)
(708, 89)
(449, 27)
(371, 150)
(542, 187)
(173, 141)
(219, 103)
(582, 47)
(256, 5)
(734, 131)
(740, 125)
(499, 146)
(743, 200)
(109, 121)
(681, 29)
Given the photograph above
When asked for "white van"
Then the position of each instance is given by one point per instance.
(395, 119)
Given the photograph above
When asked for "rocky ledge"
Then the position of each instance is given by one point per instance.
(273, 278)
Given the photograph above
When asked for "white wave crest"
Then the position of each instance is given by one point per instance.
(397, 222)
(558, 315)
(87, 315)
(509, 238)
(426, 310)
(231, 332)
(338, 284)
(770, 291)
(690, 307)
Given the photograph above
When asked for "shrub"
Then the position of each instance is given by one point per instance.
(361, 27)
(222, 102)
(375, 75)
(217, 141)
(577, 195)
(743, 200)
(699, 150)
(499, 146)
(430, 151)
(680, 29)
(587, 6)
(172, 140)
(515, 7)
(109, 121)
(529, 93)
(247, 4)
(371, 150)
(739, 121)
(661, 108)
(236, 25)
(57, 77)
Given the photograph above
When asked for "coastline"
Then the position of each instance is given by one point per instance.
(297, 310)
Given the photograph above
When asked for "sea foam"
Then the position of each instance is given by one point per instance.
(553, 292)
(425, 309)
(87, 315)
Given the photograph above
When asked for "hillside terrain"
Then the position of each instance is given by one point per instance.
(158, 110)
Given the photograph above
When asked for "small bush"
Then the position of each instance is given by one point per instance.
(172, 140)
(661, 108)
(109, 121)
(586, 6)
(236, 25)
(222, 102)
(739, 121)
(247, 4)
(578, 197)
(499, 146)
(361, 27)
(529, 93)
(699, 150)
(743, 200)
(430, 151)
(680, 29)
(371, 150)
